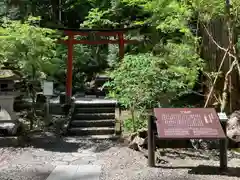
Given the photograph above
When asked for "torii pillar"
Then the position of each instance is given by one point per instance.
(71, 41)
(69, 68)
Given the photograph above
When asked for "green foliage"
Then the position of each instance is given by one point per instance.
(3, 8)
(144, 81)
(130, 124)
(165, 64)
(98, 18)
(211, 10)
(87, 62)
(119, 14)
(170, 16)
(28, 48)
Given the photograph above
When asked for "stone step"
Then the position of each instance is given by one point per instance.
(94, 102)
(93, 123)
(95, 116)
(91, 131)
(93, 137)
(95, 110)
(94, 105)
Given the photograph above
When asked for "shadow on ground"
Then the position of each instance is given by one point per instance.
(50, 142)
(207, 170)
(191, 153)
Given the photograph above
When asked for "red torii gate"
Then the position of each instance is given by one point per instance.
(71, 33)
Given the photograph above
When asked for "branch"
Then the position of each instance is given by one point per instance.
(215, 42)
(224, 94)
(215, 80)
(236, 59)
(231, 68)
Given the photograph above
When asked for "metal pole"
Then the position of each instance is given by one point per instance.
(151, 149)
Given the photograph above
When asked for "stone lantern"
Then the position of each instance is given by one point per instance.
(8, 118)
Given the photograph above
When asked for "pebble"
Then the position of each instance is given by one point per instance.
(37, 163)
(118, 163)
(124, 163)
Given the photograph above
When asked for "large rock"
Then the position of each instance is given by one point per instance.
(233, 127)
(136, 143)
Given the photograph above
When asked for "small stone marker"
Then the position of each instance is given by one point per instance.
(48, 88)
(188, 123)
(223, 142)
(222, 116)
(48, 92)
(75, 172)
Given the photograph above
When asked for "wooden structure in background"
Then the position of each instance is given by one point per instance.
(71, 41)
(213, 57)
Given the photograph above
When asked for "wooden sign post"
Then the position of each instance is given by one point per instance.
(151, 144)
(187, 123)
(223, 142)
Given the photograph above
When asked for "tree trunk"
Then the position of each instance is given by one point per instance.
(133, 118)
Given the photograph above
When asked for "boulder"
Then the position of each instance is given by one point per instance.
(233, 127)
(136, 144)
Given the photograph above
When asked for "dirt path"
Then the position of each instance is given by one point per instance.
(118, 162)
(38, 161)
(123, 163)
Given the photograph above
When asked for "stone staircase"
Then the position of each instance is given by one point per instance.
(93, 118)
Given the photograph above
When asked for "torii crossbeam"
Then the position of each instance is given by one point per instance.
(71, 33)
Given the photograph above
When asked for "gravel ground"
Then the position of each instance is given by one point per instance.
(118, 162)
(123, 163)
(37, 161)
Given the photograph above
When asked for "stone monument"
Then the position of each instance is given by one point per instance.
(8, 118)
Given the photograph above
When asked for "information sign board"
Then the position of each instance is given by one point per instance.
(188, 123)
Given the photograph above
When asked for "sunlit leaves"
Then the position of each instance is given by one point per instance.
(28, 47)
(143, 80)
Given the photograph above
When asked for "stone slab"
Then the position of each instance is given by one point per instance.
(63, 172)
(88, 172)
(75, 172)
(94, 100)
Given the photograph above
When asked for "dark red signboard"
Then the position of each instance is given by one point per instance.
(188, 123)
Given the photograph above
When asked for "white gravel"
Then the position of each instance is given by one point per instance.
(118, 163)
(122, 163)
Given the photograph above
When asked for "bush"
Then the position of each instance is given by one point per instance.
(145, 81)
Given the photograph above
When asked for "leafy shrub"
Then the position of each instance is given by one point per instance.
(130, 124)
(145, 81)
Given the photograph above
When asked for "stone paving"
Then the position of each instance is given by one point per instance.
(75, 172)
(39, 156)
(117, 162)
(33, 163)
